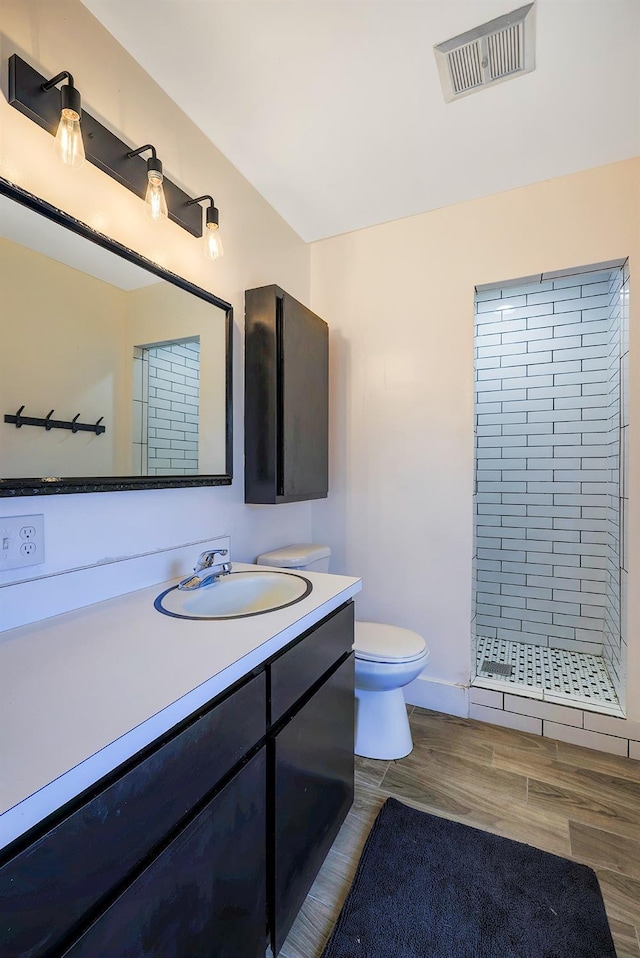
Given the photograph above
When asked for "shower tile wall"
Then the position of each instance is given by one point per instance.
(614, 649)
(173, 391)
(544, 479)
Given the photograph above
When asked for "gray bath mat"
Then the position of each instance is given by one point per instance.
(430, 888)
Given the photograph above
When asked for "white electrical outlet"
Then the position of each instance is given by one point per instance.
(21, 541)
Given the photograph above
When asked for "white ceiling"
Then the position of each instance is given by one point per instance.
(333, 109)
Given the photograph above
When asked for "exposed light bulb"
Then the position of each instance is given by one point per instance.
(155, 201)
(68, 145)
(212, 242)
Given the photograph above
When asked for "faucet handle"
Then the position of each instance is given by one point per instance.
(208, 559)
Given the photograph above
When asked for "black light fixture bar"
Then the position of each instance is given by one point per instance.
(27, 94)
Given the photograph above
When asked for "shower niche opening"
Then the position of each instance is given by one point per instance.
(551, 491)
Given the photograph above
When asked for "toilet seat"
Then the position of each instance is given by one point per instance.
(375, 642)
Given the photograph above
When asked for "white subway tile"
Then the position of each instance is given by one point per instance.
(525, 285)
(522, 335)
(572, 645)
(500, 303)
(623, 728)
(579, 303)
(522, 723)
(523, 635)
(563, 612)
(586, 738)
(543, 710)
(558, 393)
(527, 405)
(482, 295)
(501, 418)
(569, 278)
(550, 296)
(536, 309)
(558, 344)
(486, 347)
(598, 363)
(488, 697)
(561, 368)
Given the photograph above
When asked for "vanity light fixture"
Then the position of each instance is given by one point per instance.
(35, 97)
(212, 243)
(154, 199)
(68, 143)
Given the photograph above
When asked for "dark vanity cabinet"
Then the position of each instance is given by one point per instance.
(204, 844)
(286, 399)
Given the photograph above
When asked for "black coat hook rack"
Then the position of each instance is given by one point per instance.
(19, 420)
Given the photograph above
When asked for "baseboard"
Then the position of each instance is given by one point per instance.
(439, 696)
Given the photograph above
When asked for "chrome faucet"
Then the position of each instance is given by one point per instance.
(206, 564)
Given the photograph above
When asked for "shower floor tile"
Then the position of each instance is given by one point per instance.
(541, 672)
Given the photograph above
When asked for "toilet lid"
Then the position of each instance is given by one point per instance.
(376, 642)
(293, 557)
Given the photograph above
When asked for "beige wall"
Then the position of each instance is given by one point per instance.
(399, 302)
(55, 35)
(63, 335)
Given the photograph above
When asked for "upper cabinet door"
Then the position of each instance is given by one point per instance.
(286, 399)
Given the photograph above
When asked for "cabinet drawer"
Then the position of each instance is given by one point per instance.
(51, 885)
(302, 666)
(204, 896)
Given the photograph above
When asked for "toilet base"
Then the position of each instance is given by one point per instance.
(382, 725)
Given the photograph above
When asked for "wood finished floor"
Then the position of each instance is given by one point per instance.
(565, 799)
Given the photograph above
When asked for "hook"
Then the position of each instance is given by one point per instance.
(18, 417)
(74, 428)
(47, 423)
(98, 431)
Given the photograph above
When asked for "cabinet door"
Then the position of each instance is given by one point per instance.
(304, 385)
(204, 895)
(313, 775)
(286, 399)
(60, 877)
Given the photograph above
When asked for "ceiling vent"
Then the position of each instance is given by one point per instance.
(496, 51)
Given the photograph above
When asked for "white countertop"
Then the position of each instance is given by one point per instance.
(82, 692)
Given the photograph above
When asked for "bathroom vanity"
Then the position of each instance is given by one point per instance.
(205, 839)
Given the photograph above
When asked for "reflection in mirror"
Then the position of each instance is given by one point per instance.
(95, 336)
(166, 380)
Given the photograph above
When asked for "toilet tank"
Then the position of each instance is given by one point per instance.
(305, 556)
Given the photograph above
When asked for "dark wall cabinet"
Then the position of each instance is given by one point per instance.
(286, 399)
(205, 844)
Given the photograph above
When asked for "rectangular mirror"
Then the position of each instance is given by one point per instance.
(114, 373)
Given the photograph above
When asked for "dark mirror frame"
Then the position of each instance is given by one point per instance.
(66, 484)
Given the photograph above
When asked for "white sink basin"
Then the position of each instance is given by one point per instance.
(235, 595)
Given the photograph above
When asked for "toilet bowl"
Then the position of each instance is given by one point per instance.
(386, 659)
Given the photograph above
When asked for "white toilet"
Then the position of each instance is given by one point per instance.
(386, 659)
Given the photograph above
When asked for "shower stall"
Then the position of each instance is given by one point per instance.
(550, 497)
